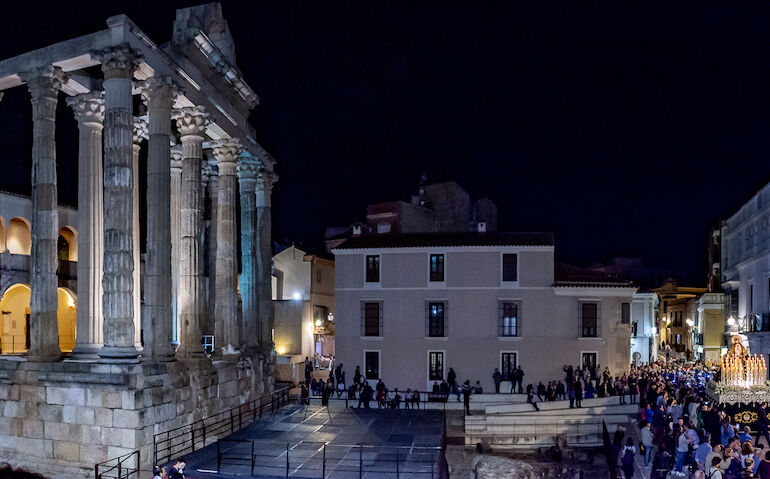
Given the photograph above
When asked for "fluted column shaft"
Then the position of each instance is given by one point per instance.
(191, 123)
(176, 221)
(158, 296)
(265, 182)
(140, 133)
(213, 189)
(226, 307)
(118, 65)
(248, 168)
(44, 87)
(89, 113)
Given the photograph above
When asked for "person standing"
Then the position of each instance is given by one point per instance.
(357, 376)
(177, 470)
(308, 370)
(467, 396)
(647, 442)
(763, 470)
(762, 422)
(497, 377)
(519, 376)
(578, 393)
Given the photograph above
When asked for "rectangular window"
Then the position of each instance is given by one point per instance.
(372, 364)
(588, 360)
(436, 320)
(510, 267)
(373, 269)
(508, 318)
(508, 362)
(625, 313)
(589, 315)
(435, 366)
(383, 228)
(437, 267)
(371, 319)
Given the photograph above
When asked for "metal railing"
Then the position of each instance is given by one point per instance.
(122, 467)
(199, 434)
(323, 460)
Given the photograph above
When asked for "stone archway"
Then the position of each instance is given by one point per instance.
(18, 236)
(14, 319)
(2, 235)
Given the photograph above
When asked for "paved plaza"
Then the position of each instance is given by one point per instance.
(321, 443)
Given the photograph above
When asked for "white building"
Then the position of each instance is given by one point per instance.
(303, 298)
(644, 311)
(410, 306)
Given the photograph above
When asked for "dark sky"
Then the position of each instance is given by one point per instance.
(627, 131)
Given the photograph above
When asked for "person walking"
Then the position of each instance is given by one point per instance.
(497, 377)
(647, 442)
(627, 456)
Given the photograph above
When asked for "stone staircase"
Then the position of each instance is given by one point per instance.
(519, 426)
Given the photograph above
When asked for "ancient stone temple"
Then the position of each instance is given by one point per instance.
(107, 308)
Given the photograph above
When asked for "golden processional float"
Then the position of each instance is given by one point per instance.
(743, 378)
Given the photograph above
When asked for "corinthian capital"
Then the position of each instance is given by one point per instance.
(43, 82)
(176, 158)
(161, 90)
(248, 168)
(118, 61)
(226, 152)
(191, 120)
(266, 180)
(88, 107)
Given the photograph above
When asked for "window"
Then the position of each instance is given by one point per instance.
(383, 228)
(625, 313)
(508, 318)
(508, 362)
(437, 267)
(436, 319)
(589, 319)
(371, 319)
(588, 359)
(373, 269)
(372, 364)
(510, 267)
(435, 365)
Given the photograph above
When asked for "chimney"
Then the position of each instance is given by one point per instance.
(356, 230)
(481, 227)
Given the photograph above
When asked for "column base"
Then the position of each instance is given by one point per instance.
(43, 356)
(118, 355)
(192, 353)
(86, 351)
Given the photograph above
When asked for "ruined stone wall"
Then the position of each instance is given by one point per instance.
(68, 416)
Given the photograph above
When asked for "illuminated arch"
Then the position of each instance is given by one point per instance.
(18, 237)
(67, 245)
(2, 235)
(14, 319)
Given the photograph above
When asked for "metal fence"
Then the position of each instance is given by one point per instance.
(191, 437)
(122, 467)
(309, 459)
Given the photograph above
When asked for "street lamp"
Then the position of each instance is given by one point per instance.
(731, 321)
(690, 322)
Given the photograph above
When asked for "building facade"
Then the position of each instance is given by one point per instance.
(644, 332)
(409, 307)
(746, 272)
(303, 295)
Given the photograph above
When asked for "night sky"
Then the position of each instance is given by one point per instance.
(626, 132)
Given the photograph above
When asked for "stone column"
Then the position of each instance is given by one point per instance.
(191, 123)
(213, 189)
(226, 312)
(118, 65)
(176, 221)
(140, 133)
(89, 113)
(157, 344)
(248, 168)
(267, 178)
(44, 87)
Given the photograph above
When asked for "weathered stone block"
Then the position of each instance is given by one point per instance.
(117, 451)
(48, 448)
(32, 394)
(61, 431)
(66, 396)
(112, 436)
(128, 419)
(92, 454)
(9, 392)
(14, 409)
(32, 428)
(52, 413)
(69, 414)
(68, 451)
(112, 399)
(34, 446)
(90, 434)
(84, 415)
(132, 399)
(103, 417)
(94, 397)
(132, 438)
